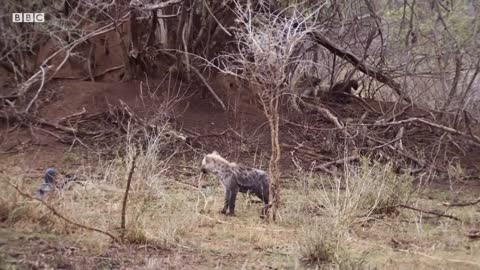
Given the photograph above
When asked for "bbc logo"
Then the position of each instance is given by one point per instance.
(28, 17)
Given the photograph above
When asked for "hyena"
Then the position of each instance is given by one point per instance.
(49, 183)
(237, 178)
(340, 91)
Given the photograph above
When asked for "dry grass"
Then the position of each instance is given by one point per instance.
(323, 221)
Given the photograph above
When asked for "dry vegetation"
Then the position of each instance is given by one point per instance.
(332, 222)
(388, 181)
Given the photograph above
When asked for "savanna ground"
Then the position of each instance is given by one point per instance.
(347, 221)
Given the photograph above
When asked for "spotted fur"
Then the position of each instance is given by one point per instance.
(236, 178)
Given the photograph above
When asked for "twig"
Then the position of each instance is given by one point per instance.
(358, 62)
(400, 113)
(102, 30)
(91, 53)
(44, 74)
(9, 97)
(423, 121)
(461, 204)
(387, 143)
(94, 76)
(219, 134)
(215, 18)
(362, 102)
(127, 189)
(55, 212)
(72, 115)
(428, 212)
(107, 71)
(326, 113)
(202, 78)
(64, 128)
(160, 5)
(26, 85)
(443, 259)
(400, 151)
(199, 74)
(335, 162)
(308, 127)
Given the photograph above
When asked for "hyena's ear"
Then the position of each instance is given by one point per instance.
(215, 152)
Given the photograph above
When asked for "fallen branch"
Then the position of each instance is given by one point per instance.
(64, 128)
(400, 151)
(73, 115)
(462, 204)
(219, 134)
(359, 63)
(94, 76)
(199, 74)
(324, 166)
(9, 97)
(431, 212)
(400, 113)
(410, 252)
(58, 214)
(158, 6)
(363, 103)
(202, 78)
(24, 119)
(423, 121)
(326, 113)
(106, 71)
(44, 74)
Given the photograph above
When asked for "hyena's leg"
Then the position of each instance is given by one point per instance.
(233, 198)
(227, 200)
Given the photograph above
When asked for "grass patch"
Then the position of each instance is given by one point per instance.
(323, 222)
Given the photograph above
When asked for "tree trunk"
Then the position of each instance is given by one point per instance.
(274, 165)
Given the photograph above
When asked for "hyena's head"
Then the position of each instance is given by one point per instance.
(213, 162)
(50, 175)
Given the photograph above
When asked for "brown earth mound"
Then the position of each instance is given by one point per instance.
(241, 133)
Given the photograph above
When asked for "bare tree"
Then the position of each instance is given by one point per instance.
(268, 43)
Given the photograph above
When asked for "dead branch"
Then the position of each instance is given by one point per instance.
(9, 97)
(64, 128)
(325, 112)
(160, 5)
(400, 113)
(94, 76)
(202, 78)
(219, 134)
(305, 151)
(324, 166)
(357, 62)
(363, 103)
(431, 212)
(462, 204)
(72, 115)
(27, 119)
(24, 87)
(44, 75)
(127, 189)
(215, 18)
(473, 234)
(400, 151)
(58, 214)
(423, 121)
(106, 71)
(91, 54)
(199, 74)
